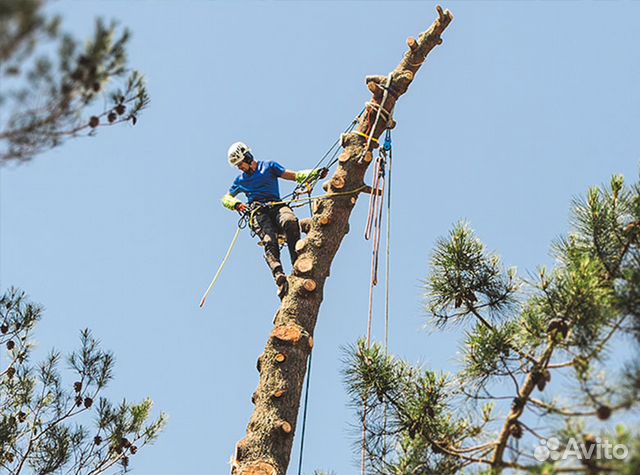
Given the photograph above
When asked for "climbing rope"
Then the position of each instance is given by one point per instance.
(387, 146)
(331, 155)
(374, 221)
(306, 388)
(373, 232)
(304, 414)
(219, 271)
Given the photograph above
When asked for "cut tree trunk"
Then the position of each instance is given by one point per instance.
(266, 449)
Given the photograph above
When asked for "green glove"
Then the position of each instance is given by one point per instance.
(230, 202)
(309, 175)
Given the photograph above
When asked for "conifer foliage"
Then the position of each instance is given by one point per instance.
(54, 87)
(535, 346)
(50, 424)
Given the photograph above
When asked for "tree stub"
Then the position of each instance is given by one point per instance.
(337, 182)
(278, 393)
(258, 468)
(280, 357)
(286, 427)
(287, 333)
(300, 244)
(309, 285)
(324, 220)
(344, 157)
(412, 43)
(368, 156)
(310, 341)
(304, 264)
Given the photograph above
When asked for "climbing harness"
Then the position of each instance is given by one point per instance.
(293, 199)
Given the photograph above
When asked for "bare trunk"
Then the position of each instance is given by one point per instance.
(266, 449)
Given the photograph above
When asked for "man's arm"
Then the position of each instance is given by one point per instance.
(232, 203)
(288, 175)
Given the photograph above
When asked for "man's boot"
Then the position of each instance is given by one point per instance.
(281, 282)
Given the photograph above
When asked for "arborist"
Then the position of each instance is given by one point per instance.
(269, 216)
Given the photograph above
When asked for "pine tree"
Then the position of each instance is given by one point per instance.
(535, 346)
(266, 449)
(53, 88)
(50, 425)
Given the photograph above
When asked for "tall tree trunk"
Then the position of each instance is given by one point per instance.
(266, 449)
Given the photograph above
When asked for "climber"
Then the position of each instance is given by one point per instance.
(269, 216)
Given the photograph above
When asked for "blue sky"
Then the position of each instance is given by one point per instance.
(523, 107)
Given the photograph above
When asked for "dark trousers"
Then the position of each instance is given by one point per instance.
(267, 223)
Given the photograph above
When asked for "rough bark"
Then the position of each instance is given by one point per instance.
(266, 449)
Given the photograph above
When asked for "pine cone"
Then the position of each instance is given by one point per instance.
(94, 121)
(4, 328)
(77, 386)
(515, 429)
(88, 402)
(120, 109)
(97, 440)
(604, 413)
(11, 345)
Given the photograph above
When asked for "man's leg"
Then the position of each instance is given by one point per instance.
(264, 226)
(289, 223)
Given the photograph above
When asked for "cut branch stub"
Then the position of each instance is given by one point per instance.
(287, 333)
(300, 245)
(310, 341)
(309, 285)
(258, 468)
(286, 427)
(278, 393)
(304, 265)
(324, 220)
(280, 357)
(412, 43)
(337, 182)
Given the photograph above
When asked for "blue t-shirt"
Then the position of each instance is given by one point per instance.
(262, 185)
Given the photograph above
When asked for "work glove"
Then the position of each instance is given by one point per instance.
(304, 176)
(230, 202)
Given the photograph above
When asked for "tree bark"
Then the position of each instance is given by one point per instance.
(266, 449)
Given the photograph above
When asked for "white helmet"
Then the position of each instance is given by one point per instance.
(237, 153)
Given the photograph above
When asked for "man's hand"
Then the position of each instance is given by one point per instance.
(241, 207)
